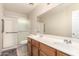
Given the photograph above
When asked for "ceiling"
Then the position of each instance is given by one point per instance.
(19, 7)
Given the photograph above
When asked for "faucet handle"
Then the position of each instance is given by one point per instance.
(65, 40)
(70, 41)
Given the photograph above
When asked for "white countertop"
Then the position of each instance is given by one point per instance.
(58, 43)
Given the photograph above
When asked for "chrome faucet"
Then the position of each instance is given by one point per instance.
(67, 41)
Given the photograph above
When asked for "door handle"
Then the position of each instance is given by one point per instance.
(2, 25)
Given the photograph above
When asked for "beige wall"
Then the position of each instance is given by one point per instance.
(58, 21)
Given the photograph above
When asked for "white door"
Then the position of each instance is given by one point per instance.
(10, 32)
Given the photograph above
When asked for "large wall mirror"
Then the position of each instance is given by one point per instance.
(62, 20)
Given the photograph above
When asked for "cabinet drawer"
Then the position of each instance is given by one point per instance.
(59, 53)
(47, 50)
(35, 43)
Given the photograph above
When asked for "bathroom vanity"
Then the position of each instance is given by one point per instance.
(36, 48)
(50, 46)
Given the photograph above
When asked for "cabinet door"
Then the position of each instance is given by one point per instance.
(29, 49)
(42, 53)
(47, 50)
(34, 51)
(59, 53)
(35, 43)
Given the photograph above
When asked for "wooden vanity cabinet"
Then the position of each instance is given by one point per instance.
(35, 48)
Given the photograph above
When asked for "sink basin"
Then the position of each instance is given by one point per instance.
(72, 45)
